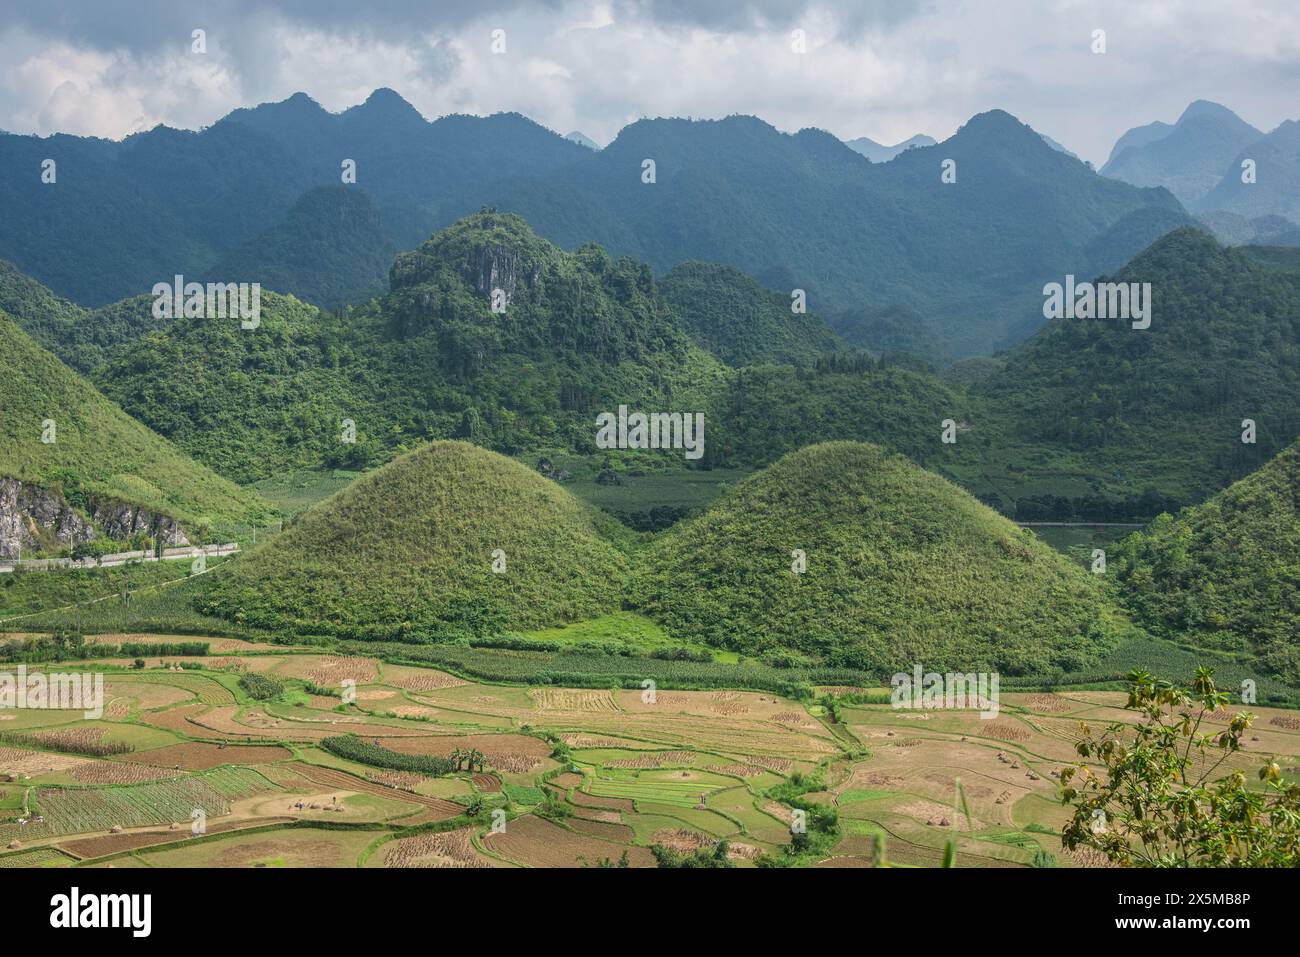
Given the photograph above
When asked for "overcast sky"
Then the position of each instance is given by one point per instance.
(880, 68)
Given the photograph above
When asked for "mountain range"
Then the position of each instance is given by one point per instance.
(263, 194)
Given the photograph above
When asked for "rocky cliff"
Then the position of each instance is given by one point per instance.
(33, 517)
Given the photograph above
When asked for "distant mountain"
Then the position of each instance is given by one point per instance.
(1058, 147)
(1276, 190)
(739, 321)
(1233, 229)
(1093, 411)
(582, 139)
(122, 216)
(330, 249)
(1188, 158)
(972, 256)
(1225, 574)
(899, 568)
(408, 553)
(879, 153)
(59, 433)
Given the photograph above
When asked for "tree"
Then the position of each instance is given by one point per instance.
(1154, 801)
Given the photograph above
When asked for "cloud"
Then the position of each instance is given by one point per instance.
(882, 68)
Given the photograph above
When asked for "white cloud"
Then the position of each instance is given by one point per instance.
(885, 70)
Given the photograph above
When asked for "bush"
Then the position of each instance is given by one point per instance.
(260, 687)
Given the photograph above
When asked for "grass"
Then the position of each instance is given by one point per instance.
(99, 451)
(297, 491)
(901, 566)
(29, 592)
(463, 512)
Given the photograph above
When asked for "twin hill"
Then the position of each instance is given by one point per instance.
(408, 552)
(901, 567)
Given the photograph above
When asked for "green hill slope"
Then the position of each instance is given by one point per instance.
(741, 322)
(1090, 409)
(98, 448)
(1226, 573)
(902, 568)
(407, 552)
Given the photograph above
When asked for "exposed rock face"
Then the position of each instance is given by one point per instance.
(500, 267)
(31, 515)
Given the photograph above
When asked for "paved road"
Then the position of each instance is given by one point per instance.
(119, 558)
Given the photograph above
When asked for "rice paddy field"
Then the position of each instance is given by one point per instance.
(185, 769)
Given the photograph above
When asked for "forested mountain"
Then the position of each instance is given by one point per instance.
(580, 333)
(331, 249)
(793, 211)
(899, 567)
(971, 255)
(1188, 158)
(1091, 409)
(122, 216)
(1225, 574)
(58, 432)
(739, 321)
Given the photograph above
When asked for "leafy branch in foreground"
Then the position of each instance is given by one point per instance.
(1155, 800)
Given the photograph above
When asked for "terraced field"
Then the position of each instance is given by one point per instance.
(584, 776)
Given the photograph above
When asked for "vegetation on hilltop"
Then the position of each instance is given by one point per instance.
(409, 552)
(99, 450)
(901, 568)
(741, 322)
(1225, 574)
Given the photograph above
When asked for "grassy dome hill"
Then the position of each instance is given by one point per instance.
(1225, 573)
(902, 568)
(99, 450)
(407, 551)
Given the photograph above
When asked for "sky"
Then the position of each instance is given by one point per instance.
(886, 69)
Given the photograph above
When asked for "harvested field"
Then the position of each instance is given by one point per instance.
(583, 741)
(1285, 721)
(398, 780)
(604, 830)
(567, 699)
(534, 842)
(22, 762)
(132, 840)
(1007, 731)
(737, 770)
(583, 799)
(80, 740)
(331, 777)
(681, 840)
(330, 671)
(448, 849)
(487, 782)
(420, 679)
(1051, 703)
(118, 772)
(568, 780)
(199, 756)
(596, 814)
(175, 719)
(656, 759)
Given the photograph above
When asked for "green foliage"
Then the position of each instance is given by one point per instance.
(100, 452)
(739, 321)
(259, 687)
(1154, 800)
(710, 856)
(364, 752)
(1155, 411)
(581, 334)
(901, 567)
(1225, 574)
